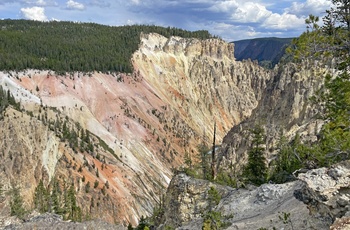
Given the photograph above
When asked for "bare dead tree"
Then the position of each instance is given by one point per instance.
(213, 156)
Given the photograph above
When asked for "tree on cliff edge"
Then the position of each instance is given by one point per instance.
(333, 46)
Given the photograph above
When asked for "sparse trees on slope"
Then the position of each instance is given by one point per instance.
(73, 210)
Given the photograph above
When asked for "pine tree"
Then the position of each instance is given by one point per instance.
(334, 144)
(73, 210)
(256, 169)
(55, 198)
(335, 135)
(41, 198)
(341, 12)
(16, 204)
(204, 161)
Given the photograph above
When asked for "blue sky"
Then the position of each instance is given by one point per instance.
(230, 19)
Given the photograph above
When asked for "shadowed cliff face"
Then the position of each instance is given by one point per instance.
(285, 108)
(148, 120)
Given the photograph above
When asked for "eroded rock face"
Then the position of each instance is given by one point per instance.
(202, 80)
(29, 153)
(285, 108)
(148, 119)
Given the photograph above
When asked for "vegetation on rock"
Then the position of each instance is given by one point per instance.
(57, 200)
(328, 44)
(6, 99)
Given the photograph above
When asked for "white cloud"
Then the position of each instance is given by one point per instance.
(72, 5)
(34, 13)
(224, 6)
(248, 12)
(243, 12)
(284, 21)
(251, 12)
(230, 32)
(315, 7)
(230, 19)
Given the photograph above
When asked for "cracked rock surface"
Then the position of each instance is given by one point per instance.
(318, 199)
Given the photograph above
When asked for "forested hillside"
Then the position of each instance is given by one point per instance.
(69, 46)
(267, 51)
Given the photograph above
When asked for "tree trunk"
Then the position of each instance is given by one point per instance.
(213, 156)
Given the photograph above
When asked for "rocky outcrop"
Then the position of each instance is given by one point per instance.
(314, 201)
(327, 191)
(188, 199)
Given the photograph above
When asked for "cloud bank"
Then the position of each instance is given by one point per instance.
(229, 19)
(34, 13)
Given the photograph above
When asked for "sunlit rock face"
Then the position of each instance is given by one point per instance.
(140, 124)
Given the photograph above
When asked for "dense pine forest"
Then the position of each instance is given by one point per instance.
(69, 46)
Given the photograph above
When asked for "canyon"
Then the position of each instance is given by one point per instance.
(139, 125)
(119, 140)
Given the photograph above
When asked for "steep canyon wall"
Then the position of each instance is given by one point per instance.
(140, 124)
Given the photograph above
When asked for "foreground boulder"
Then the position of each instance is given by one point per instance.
(314, 201)
(326, 192)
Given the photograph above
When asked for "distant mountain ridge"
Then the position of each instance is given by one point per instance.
(267, 51)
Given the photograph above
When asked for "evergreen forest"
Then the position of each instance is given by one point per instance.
(69, 46)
